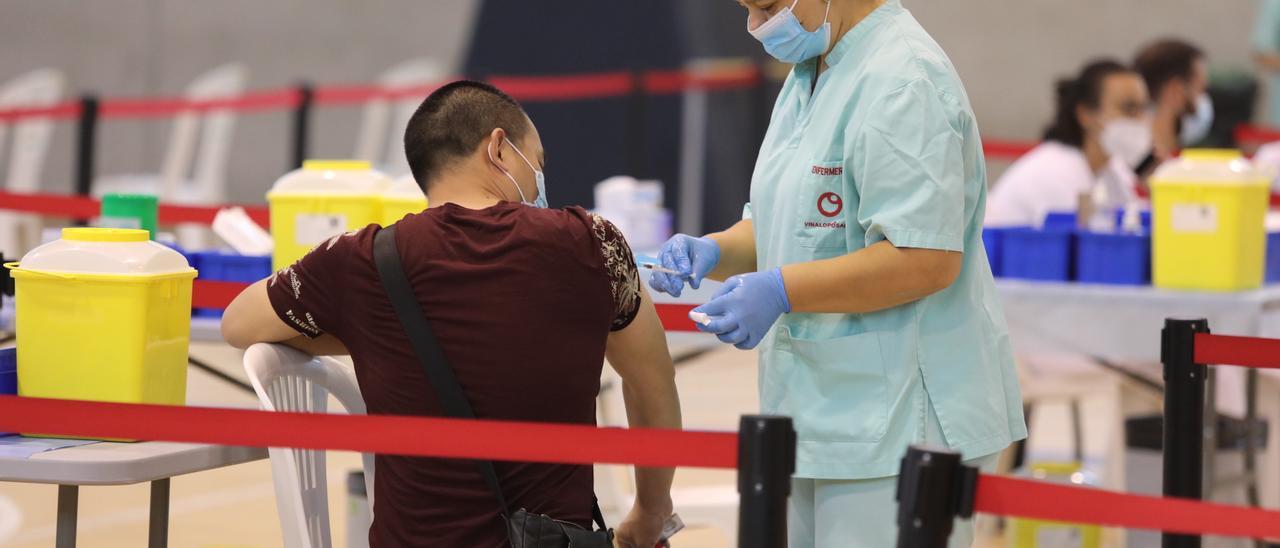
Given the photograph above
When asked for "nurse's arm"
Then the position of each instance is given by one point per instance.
(737, 250)
(249, 320)
(873, 278)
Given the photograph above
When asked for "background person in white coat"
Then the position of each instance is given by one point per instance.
(1101, 131)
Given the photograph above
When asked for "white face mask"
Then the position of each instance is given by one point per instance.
(1127, 139)
(1196, 126)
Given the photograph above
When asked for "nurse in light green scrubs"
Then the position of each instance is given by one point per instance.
(858, 267)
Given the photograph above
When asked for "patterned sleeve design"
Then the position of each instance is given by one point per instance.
(620, 266)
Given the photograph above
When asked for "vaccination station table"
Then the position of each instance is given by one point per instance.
(1122, 324)
(111, 463)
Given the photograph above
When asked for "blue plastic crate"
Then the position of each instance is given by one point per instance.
(1273, 257)
(8, 374)
(993, 241)
(1144, 218)
(1113, 258)
(1038, 254)
(1060, 220)
(225, 266)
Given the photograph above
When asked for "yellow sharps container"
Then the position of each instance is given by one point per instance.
(323, 199)
(402, 197)
(1208, 208)
(103, 314)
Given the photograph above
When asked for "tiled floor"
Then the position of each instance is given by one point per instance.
(235, 507)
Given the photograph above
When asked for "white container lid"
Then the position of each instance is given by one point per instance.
(336, 177)
(1210, 166)
(105, 251)
(404, 186)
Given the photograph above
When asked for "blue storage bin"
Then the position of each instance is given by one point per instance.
(1113, 258)
(1038, 254)
(226, 266)
(1061, 220)
(993, 241)
(8, 374)
(1143, 216)
(1273, 257)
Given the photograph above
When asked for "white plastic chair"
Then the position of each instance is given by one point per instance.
(194, 170)
(30, 144)
(711, 506)
(288, 380)
(381, 137)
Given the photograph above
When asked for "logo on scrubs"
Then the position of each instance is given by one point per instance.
(830, 204)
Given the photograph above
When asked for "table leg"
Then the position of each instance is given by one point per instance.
(68, 503)
(159, 528)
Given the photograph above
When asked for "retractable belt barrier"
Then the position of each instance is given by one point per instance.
(933, 485)
(540, 88)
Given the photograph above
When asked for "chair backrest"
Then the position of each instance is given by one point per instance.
(288, 380)
(25, 160)
(614, 484)
(205, 166)
(382, 123)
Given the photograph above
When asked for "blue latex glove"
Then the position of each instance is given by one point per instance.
(745, 308)
(694, 258)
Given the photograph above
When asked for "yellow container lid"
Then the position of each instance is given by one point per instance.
(86, 234)
(1209, 167)
(336, 165)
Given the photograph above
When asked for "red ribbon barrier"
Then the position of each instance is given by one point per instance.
(1256, 135)
(164, 107)
(1054, 502)
(86, 208)
(60, 111)
(1240, 351)
(384, 434)
(580, 444)
(1006, 150)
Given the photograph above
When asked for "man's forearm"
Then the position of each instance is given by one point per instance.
(737, 250)
(648, 407)
(873, 278)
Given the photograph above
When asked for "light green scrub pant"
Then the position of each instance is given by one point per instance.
(863, 513)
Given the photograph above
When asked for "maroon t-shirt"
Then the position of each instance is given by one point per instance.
(522, 301)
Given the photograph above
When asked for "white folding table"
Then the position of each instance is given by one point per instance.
(1123, 323)
(110, 463)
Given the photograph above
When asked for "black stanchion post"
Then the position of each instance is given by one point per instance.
(766, 460)
(1184, 384)
(302, 123)
(934, 488)
(86, 143)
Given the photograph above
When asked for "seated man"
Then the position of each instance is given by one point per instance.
(527, 302)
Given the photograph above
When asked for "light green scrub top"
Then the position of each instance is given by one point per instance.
(886, 149)
(1266, 38)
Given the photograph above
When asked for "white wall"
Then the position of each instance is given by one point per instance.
(1010, 52)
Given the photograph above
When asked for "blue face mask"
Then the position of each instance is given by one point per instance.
(540, 180)
(786, 39)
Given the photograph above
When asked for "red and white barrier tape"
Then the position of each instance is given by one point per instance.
(1239, 351)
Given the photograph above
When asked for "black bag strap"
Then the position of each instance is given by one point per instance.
(391, 271)
(414, 322)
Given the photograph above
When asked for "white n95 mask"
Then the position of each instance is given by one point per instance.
(1127, 139)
